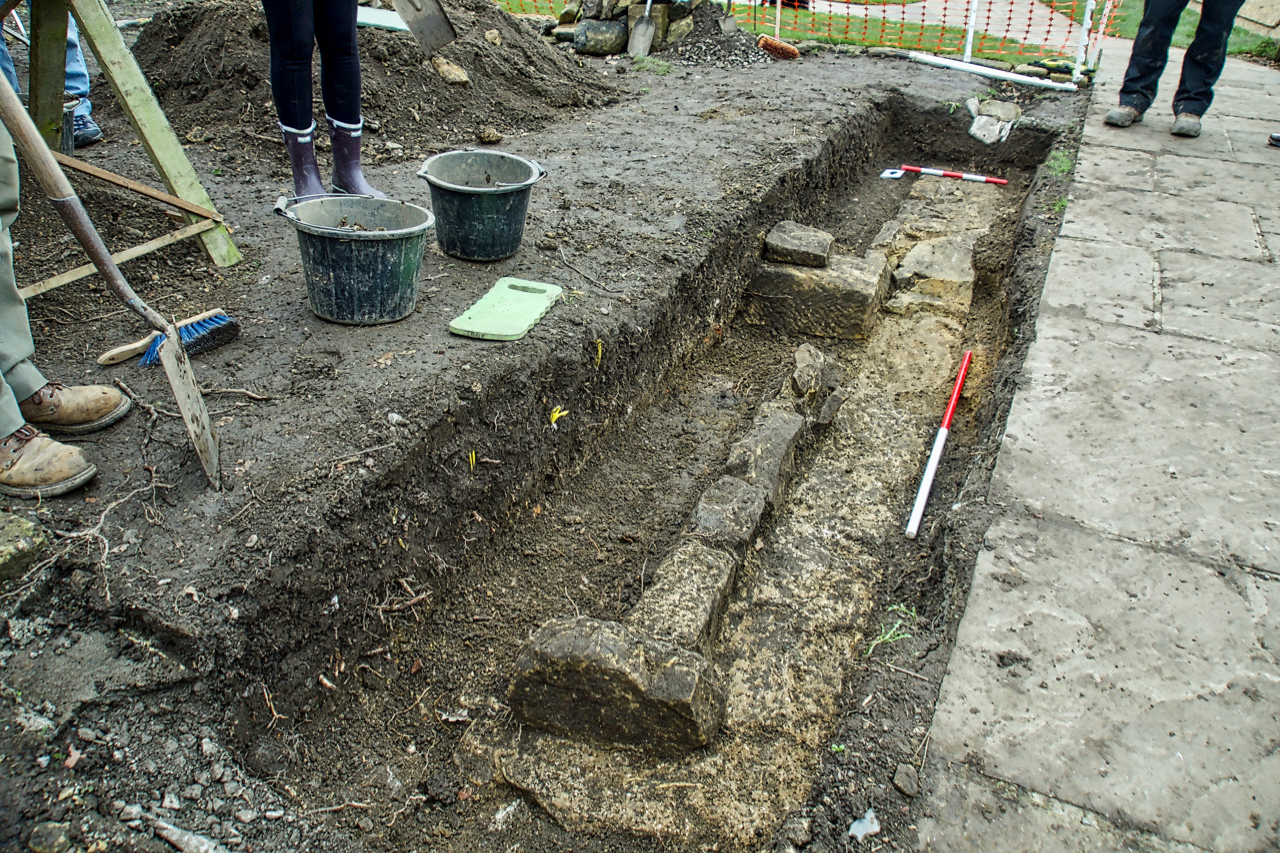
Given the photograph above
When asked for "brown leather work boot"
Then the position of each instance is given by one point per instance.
(32, 465)
(74, 410)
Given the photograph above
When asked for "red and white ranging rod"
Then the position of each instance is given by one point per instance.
(926, 483)
(964, 176)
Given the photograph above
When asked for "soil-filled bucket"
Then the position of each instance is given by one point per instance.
(480, 199)
(360, 255)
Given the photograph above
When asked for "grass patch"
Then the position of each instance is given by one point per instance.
(1060, 163)
(1129, 15)
(654, 66)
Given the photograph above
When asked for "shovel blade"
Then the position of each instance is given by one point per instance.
(191, 403)
(428, 23)
(729, 25)
(641, 37)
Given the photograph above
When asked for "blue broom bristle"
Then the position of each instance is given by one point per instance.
(192, 335)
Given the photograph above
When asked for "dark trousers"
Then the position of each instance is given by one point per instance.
(1201, 67)
(295, 28)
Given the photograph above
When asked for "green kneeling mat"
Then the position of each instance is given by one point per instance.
(508, 311)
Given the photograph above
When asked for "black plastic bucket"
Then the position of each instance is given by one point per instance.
(360, 255)
(480, 199)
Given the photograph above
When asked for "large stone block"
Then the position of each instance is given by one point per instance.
(728, 514)
(686, 601)
(21, 544)
(600, 38)
(589, 678)
(792, 243)
(837, 301)
(764, 456)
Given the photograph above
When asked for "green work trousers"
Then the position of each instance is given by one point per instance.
(20, 379)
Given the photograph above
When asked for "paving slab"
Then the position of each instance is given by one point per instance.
(1107, 282)
(1161, 221)
(1230, 302)
(967, 811)
(1152, 133)
(1248, 135)
(1156, 438)
(1116, 167)
(1136, 682)
(1257, 185)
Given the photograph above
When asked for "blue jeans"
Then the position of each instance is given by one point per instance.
(77, 82)
(1201, 67)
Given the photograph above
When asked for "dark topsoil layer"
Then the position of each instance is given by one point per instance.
(651, 218)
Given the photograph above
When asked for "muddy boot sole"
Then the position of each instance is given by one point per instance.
(91, 426)
(53, 490)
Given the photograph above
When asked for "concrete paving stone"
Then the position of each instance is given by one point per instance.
(1160, 221)
(1152, 134)
(1230, 302)
(1236, 99)
(1257, 185)
(969, 812)
(687, 598)
(1249, 137)
(1109, 282)
(1116, 167)
(1161, 439)
(1139, 683)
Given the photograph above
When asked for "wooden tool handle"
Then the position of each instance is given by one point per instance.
(119, 354)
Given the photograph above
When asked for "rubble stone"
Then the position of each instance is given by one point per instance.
(50, 837)
(838, 301)
(792, 243)
(1031, 71)
(21, 543)
(809, 379)
(764, 456)
(679, 30)
(728, 514)
(906, 780)
(685, 603)
(600, 38)
(590, 678)
(569, 13)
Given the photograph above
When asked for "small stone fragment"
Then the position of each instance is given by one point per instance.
(906, 780)
(50, 837)
(246, 815)
(170, 802)
(208, 748)
(21, 543)
(809, 378)
(365, 824)
(830, 407)
(192, 792)
(493, 37)
(130, 812)
(792, 243)
(489, 136)
(449, 72)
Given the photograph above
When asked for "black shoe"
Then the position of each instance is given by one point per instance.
(87, 132)
(1275, 140)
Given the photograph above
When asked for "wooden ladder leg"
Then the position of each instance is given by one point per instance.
(149, 122)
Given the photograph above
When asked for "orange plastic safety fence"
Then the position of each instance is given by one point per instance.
(1004, 27)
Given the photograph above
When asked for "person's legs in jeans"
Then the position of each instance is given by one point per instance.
(1150, 52)
(6, 66)
(1205, 57)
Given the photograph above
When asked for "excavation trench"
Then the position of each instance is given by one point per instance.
(415, 715)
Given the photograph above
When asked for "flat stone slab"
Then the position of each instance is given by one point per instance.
(22, 543)
(1116, 167)
(792, 243)
(1133, 681)
(837, 301)
(1219, 180)
(594, 679)
(1159, 221)
(684, 605)
(1157, 438)
(764, 456)
(1231, 302)
(1106, 282)
(728, 514)
(1152, 133)
(947, 259)
(966, 811)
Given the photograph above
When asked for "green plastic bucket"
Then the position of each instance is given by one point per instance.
(360, 255)
(480, 199)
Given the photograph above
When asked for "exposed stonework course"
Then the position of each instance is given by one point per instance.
(764, 456)
(685, 603)
(728, 514)
(792, 243)
(598, 680)
(837, 301)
